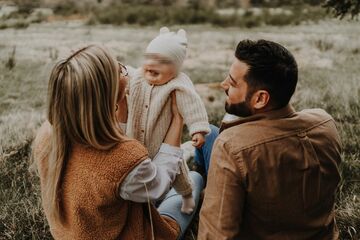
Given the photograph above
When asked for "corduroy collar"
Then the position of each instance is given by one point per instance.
(274, 114)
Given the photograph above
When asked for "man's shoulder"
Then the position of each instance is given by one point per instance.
(250, 134)
(236, 137)
(308, 119)
(315, 114)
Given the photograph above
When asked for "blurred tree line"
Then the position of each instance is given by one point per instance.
(339, 7)
(150, 12)
(343, 7)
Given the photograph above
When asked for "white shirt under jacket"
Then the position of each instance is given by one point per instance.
(152, 179)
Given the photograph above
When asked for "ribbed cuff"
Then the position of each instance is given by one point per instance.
(199, 127)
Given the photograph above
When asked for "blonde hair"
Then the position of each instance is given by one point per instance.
(82, 97)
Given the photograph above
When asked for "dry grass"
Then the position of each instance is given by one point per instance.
(328, 54)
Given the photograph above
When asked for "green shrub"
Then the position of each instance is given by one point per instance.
(279, 19)
(150, 14)
(20, 24)
(17, 15)
(111, 16)
(66, 8)
(225, 21)
(38, 18)
(251, 21)
(25, 7)
(145, 15)
(3, 26)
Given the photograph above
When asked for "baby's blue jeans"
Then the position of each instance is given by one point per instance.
(171, 205)
(203, 154)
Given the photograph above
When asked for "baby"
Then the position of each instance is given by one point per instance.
(150, 103)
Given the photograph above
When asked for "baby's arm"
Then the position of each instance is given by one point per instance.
(193, 111)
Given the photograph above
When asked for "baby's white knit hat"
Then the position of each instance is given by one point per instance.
(170, 45)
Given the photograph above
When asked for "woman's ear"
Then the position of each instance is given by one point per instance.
(260, 99)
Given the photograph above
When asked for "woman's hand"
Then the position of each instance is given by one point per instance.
(173, 135)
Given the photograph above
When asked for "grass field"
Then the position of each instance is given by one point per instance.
(328, 54)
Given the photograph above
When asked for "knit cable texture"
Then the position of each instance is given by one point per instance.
(150, 115)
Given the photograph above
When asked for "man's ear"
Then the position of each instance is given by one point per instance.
(260, 99)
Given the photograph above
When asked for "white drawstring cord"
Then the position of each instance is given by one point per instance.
(151, 222)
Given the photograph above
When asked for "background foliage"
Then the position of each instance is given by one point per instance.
(31, 41)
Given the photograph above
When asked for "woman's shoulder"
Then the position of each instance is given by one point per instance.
(131, 142)
(130, 148)
(123, 157)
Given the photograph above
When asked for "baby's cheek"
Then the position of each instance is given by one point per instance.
(147, 77)
(151, 79)
(161, 78)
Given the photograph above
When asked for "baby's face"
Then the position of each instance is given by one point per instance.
(158, 70)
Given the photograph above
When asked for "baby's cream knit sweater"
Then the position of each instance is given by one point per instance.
(150, 115)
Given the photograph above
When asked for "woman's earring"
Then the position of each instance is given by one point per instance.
(117, 107)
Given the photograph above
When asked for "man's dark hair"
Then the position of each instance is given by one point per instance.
(271, 67)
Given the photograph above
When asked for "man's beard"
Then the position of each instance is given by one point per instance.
(241, 109)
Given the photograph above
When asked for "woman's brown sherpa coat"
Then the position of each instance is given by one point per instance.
(90, 199)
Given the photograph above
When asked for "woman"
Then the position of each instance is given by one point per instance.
(95, 182)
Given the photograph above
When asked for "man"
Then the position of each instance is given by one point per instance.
(273, 173)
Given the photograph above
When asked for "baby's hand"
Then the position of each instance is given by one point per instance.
(198, 140)
(188, 204)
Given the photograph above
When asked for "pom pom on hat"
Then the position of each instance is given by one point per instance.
(170, 45)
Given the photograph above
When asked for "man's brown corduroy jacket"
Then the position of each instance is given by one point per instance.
(273, 176)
